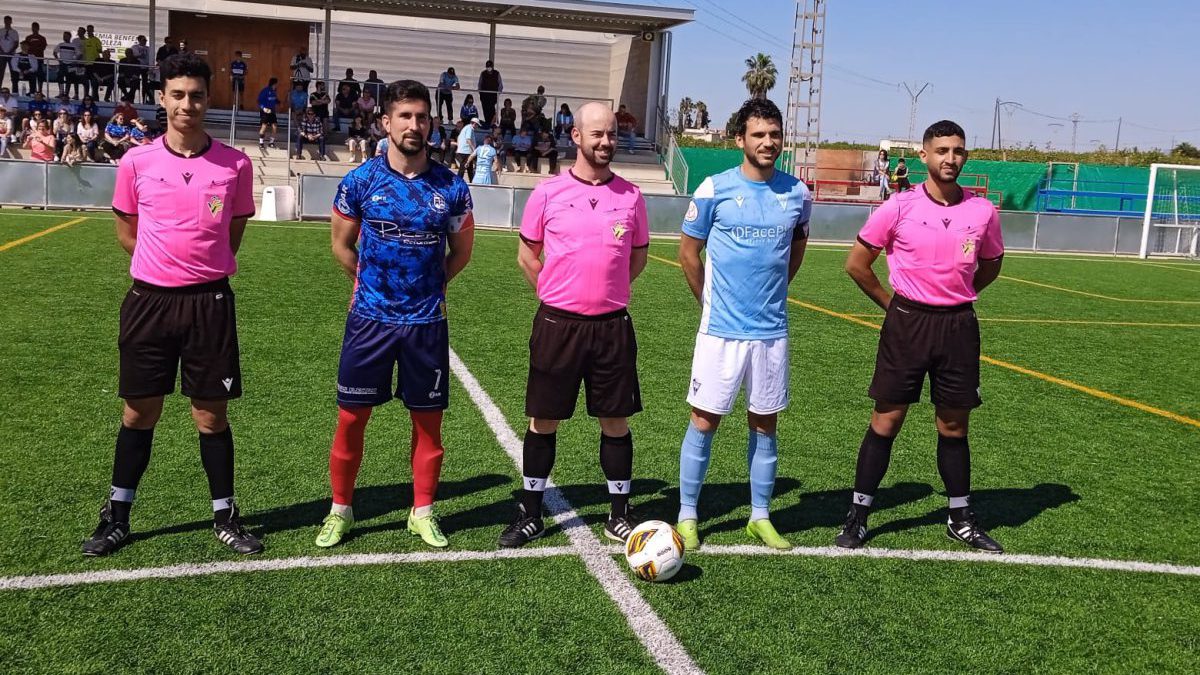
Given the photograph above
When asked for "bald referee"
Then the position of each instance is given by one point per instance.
(181, 206)
(584, 239)
(944, 246)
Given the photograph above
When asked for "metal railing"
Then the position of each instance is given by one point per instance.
(676, 166)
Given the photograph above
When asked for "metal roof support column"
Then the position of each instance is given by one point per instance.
(326, 31)
(153, 22)
(492, 42)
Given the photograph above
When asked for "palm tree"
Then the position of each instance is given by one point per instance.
(760, 75)
(702, 115)
(685, 112)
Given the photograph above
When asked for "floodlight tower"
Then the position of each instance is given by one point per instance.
(803, 121)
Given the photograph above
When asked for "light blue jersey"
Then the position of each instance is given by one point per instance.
(484, 156)
(748, 228)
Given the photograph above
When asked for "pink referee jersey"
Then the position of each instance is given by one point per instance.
(588, 233)
(184, 206)
(932, 249)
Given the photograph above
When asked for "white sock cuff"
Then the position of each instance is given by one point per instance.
(121, 494)
(863, 500)
(342, 509)
(619, 487)
(534, 484)
(960, 502)
(422, 511)
(225, 503)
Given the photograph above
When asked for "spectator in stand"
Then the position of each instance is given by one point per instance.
(41, 142)
(237, 76)
(345, 104)
(166, 50)
(358, 139)
(66, 54)
(36, 43)
(490, 86)
(89, 134)
(447, 83)
(626, 126)
(9, 103)
(378, 134)
(139, 133)
(508, 121)
(160, 120)
(349, 81)
(6, 131)
(72, 151)
(466, 145)
(26, 68)
(302, 70)
(40, 108)
(564, 121)
(116, 139)
(141, 52)
(522, 147)
(153, 84)
(902, 184)
(297, 101)
(129, 75)
(89, 105)
(366, 104)
(486, 162)
(437, 140)
(92, 48)
(310, 130)
(125, 107)
(31, 122)
(544, 148)
(879, 173)
(536, 103)
(62, 128)
(452, 139)
(183, 48)
(64, 103)
(9, 39)
(468, 111)
(268, 103)
(104, 72)
(319, 100)
(374, 86)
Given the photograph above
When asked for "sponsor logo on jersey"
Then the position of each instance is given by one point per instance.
(215, 206)
(637, 542)
(692, 213)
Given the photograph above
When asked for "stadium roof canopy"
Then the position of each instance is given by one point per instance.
(601, 17)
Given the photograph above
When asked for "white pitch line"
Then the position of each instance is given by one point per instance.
(659, 641)
(271, 565)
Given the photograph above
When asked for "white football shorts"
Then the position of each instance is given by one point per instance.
(721, 366)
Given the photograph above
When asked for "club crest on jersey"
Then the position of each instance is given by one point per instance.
(968, 248)
(215, 206)
(618, 230)
(692, 213)
(439, 202)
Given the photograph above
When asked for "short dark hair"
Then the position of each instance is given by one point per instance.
(185, 65)
(405, 90)
(762, 108)
(943, 128)
(273, 81)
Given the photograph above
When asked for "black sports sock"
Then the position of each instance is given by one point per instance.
(537, 459)
(874, 455)
(129, 464)
(616, 459)
(954, 464)
(216, 453)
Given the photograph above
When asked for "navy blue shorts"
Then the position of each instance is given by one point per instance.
(372, 349)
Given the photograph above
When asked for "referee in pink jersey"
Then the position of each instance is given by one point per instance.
(943, 246)
(181, 206)
(584, 239)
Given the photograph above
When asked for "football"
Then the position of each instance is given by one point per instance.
(654, 551)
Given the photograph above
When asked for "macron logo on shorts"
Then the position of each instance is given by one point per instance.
(228, 382)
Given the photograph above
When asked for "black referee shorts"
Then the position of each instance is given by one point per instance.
(919, 339)
(189, 330)
(566, 349)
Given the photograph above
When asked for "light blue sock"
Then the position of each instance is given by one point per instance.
(693, 464)
(763, 457)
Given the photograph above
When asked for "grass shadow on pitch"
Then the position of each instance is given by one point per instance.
(370, 501)
(827, 508)
(1001, 507)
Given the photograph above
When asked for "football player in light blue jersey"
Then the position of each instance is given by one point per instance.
(753, 220)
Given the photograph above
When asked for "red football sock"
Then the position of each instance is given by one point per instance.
(427, 453)
(346, 454)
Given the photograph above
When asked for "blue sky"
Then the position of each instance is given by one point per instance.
(1102, 59)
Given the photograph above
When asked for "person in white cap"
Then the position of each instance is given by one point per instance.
(466, 145)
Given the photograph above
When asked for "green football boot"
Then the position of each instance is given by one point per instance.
(690, 533)
(333, 528)
(427, 529)
(764, 531)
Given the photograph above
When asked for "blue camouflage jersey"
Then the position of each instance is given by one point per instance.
(402, 248)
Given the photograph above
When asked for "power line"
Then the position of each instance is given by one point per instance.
(742, 21)
(865, 77)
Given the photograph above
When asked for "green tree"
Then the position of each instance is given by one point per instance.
(1186, 149)
(731, 125)
(760, 75)
(702, 118)
(685, 113)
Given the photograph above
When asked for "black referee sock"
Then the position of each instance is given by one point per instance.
(954, 464)
(129, 463)
(537, 459)
(216, 453)
(874, 455)
(616, 459)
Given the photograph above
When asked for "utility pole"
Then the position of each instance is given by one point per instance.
(1074, 129)
(1117, 145)
(912, 110)
(996, 139)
